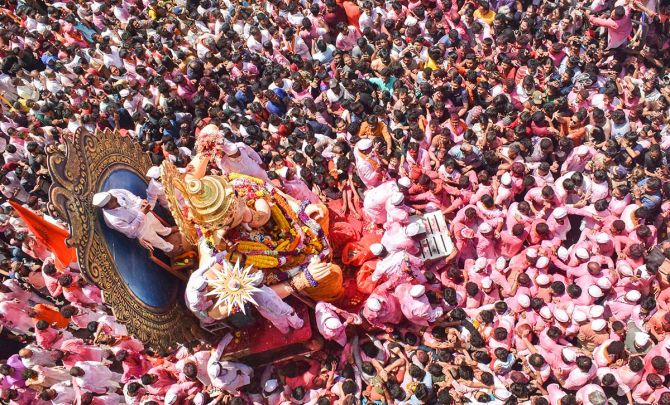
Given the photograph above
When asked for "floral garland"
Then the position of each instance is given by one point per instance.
(293, 238)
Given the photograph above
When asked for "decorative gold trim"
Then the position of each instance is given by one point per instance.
(78, 173)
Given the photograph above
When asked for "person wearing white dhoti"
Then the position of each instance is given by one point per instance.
(127, 213)
(240, 158)
(155, 190)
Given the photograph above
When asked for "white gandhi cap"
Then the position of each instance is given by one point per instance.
(332, 323)
(604, 283)
(568, 354)
(374, 304)
(485, 228)
(578, 316)
(270, 385)
(524, 301)
(633, 296)
(364, 144)
(596, 311)
(582, 253)
(154, 172)
(559, 213)
(230, 148)
(561, 315)
(641, 339)
(602, 238)
(598, 324)
(101, 199)
(625, 269)
(376, 249)
(595, 291)
(404, 182)
(562, 253)
(486, 282)
(542, 262)
(480, 264)
(545, 312)
(397, 198)
(543, 279)
(501, 263)
(417, 290)
(412, 229)
(506, 179)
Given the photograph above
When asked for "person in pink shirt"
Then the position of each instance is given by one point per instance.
(94, 377)
(181, 393)
(48, 337)
(134, 364)
(619, 26)
(75, 350)
(79, 291)
(582, 375)
(329, 324)
(382, 309)
(158, 380)
(415, 306)
(374, 202)
(14, 316)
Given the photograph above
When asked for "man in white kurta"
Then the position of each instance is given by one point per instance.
(196, 294)
(155, 190)
(125, 212)
(227, 375)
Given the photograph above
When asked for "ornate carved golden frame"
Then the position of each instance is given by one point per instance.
(78, 172)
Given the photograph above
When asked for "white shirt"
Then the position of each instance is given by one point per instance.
(127, 218)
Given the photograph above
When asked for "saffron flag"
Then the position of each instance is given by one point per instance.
(52, 235)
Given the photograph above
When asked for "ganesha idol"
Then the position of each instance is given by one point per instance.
(239, 218)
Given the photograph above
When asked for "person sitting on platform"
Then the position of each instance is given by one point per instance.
(131, 215)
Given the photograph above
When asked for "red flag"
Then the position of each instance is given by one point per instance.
(52, 235)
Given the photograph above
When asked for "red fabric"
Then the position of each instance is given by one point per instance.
(358, 252)
(364, 283)
(50, 234)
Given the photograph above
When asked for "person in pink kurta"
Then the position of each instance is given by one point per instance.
(48, 337)
(396, 210)
(275, 310)
(415, 306)
(374, 202)
(14, 316)
(400, 238)
(382, 309)
(158, 380)
(179, 393)
(392, 266)
(75, 350)
(94, 376)
(368, 166)
(134, 364)
(329, 324)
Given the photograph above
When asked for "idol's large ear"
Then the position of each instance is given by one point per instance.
(143, 296)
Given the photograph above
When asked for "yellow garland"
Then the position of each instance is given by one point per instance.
(247, 246)
(262, 261)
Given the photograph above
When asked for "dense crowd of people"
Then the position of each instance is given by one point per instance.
(540, 129)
